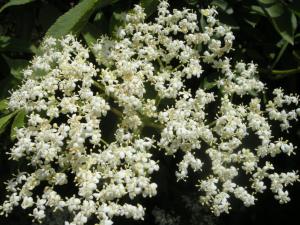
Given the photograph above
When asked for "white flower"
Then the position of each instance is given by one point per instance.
(27, 202)
(142, 84)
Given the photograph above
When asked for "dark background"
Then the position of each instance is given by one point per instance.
(267, 32)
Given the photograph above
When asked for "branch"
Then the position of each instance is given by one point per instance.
(280, 74)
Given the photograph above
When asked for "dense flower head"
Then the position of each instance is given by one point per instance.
(140, 76)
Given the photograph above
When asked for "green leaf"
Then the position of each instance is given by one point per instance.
(286, 26)
(76, 18)
(206, 85)
(210, 81)
(16, 66)
(220, 3)
(280, 54)
(267, 1)
(16, 45)
(255, 9)
(4, 121)
(297, 36)
(283, 19)
(275, 10)
(150, 6)
(18, 122)
(295, 6)
(15, 3)
(192, 2)
(223, 5)
(273, 7)
(296, 54)
(3, 104)
(90, 34)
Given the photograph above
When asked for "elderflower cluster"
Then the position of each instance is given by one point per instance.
(141, 77)
(62, 142)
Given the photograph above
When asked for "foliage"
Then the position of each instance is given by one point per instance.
(267, 32)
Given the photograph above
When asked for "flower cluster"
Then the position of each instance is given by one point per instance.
(140, 76)
(62, 139)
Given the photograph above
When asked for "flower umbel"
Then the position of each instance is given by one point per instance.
(141, 77)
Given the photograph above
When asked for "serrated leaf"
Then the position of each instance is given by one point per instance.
(18, 122)
(15, 3)
(4, 121)
(16, 45)
(3, 104)
(76, 18)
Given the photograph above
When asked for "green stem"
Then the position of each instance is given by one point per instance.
(286, 72)
(211, 124)
(282, 50)
(157, 100)
(160, 63)
(104, 142)
(153, 125)
(99, 86)
(279, 74)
